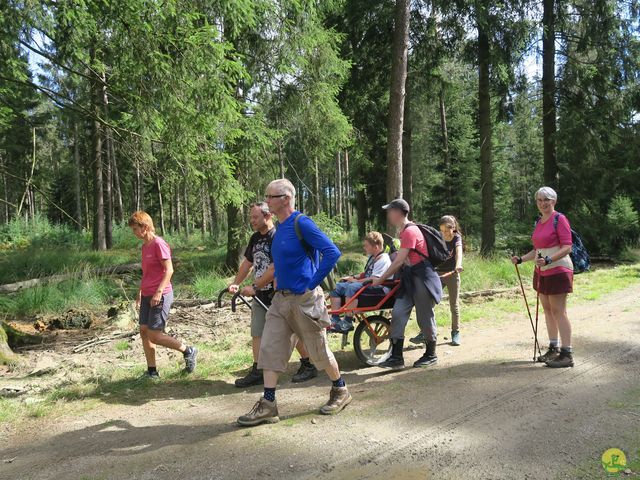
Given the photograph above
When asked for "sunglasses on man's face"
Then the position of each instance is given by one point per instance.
(271, 197)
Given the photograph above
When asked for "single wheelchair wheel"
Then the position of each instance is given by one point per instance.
(371, 340)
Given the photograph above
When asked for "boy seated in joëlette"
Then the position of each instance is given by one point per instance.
(376, 265)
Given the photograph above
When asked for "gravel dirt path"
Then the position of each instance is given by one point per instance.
(484, 412)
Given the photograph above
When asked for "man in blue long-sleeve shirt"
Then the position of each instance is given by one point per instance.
(298, 308)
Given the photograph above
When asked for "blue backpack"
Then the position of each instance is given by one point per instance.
(579, 255)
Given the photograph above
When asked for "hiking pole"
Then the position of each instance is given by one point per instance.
(538, 302)
(535, 333)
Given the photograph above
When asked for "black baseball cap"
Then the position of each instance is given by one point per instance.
(397, 204)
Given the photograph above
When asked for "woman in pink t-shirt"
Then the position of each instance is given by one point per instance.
(156, 295)
(553, 277)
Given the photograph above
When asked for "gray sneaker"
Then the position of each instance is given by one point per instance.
(149, 376)
(190, 362)
(339, 397)
(455, 338)
(263, 411)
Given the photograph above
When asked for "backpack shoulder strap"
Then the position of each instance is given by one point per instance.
(307, 248)
(296, 227)
(426, 240)
(556, 218)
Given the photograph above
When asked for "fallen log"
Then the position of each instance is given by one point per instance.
(192, 302)
(487, 293)
(115, 270)
(100, 340)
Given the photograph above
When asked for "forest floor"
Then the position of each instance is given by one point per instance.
(485, 411)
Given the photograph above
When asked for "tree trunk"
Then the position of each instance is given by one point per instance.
(214, 226)
(76, 176)
(137, 190)
(108, 210)
(397, 99)
(108, 222)
(178, 208)
(548, 93)
(5, 191)
(99, 234)
(99, 238)
(445, 147)
(484, 127)
(281, 159)
(235, 237)
(407, 163)
(300, 201)
(339, 209)
(361, 209)
(203, 201)
(347, 191)
(160, 205)
(317, 199)
(119, 206)
(187, 227)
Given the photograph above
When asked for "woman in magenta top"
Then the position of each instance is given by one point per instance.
(156, 295)
(553, 277)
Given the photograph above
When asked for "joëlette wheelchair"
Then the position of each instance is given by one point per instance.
(371, 341)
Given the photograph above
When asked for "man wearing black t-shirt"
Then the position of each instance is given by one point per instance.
(258, 256)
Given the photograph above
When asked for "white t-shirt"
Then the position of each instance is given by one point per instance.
(380, 265)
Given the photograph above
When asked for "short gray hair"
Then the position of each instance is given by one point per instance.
(547, 192)
(285, 187)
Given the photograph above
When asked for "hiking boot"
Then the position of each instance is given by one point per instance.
(455, 338)
(307, 371)
(564, 360)
(550, 354)
(418, 339)
(429, 357)
(263, 411)
(254, 377)
(396, 360)
(190, 355)
(339, 397)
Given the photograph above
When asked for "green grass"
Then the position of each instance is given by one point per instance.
(83, 291)
(209, 284)
(122, 346)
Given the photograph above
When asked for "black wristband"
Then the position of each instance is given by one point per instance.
(519, 260)
(547, 260)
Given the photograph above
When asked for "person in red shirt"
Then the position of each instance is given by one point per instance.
(553, 277)
(421, 288)
(156, 295)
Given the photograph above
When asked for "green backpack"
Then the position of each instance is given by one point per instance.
(328, 284)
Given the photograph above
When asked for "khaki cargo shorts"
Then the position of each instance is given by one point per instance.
(289, 318)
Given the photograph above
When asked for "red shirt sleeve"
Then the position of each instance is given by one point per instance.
(564, 231)
(163, 251)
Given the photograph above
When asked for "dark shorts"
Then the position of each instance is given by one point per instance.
(557, 284)
(155, 317)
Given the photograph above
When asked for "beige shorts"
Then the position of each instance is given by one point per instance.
(289, 318)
